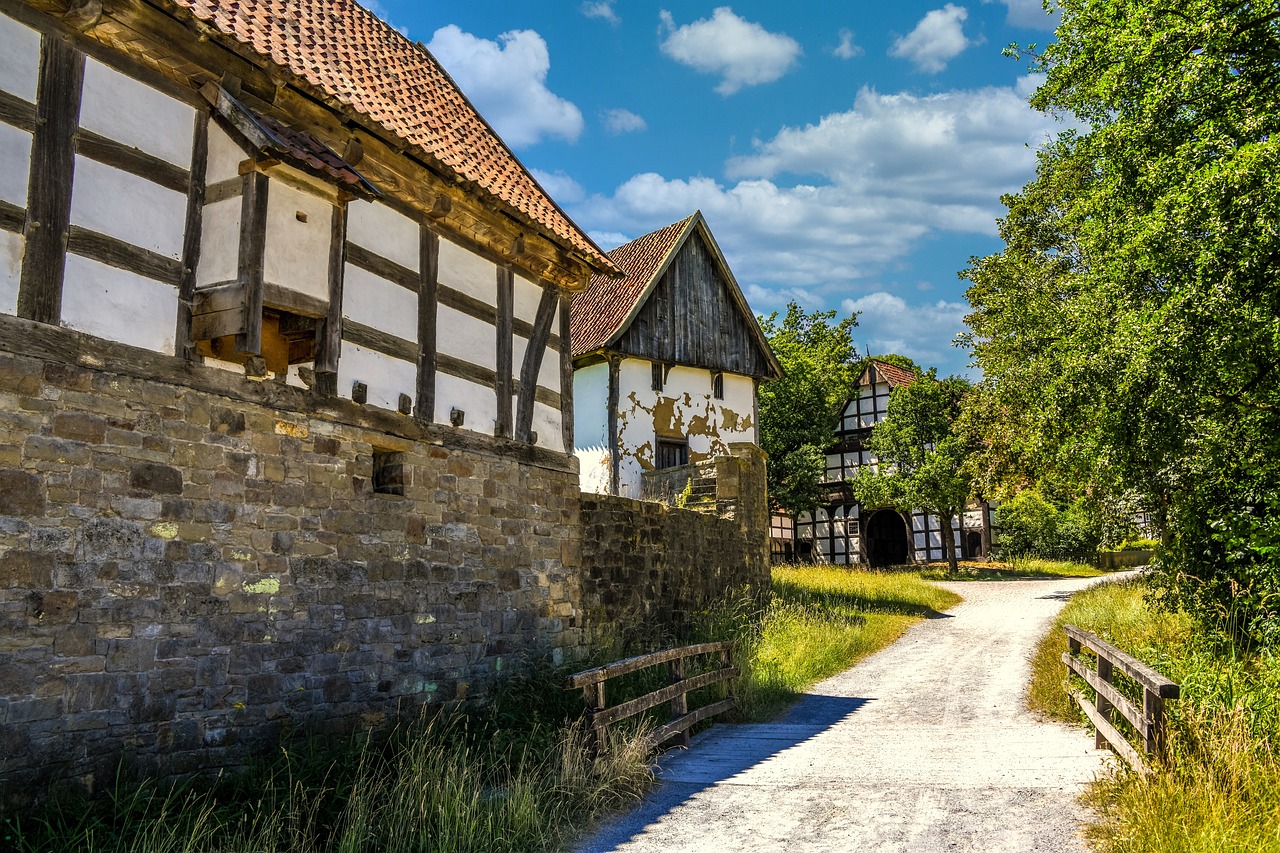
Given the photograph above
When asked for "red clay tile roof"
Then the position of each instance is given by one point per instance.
(600, 310)
(891, 373)
(347, 52)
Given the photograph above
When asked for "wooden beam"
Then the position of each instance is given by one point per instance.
(464, 303)
(329, 333)
(17, 112)
(184, 343)
(114, 252)
(379, 341)
(293, 301)
(506, 305)
(532, 362)
(12, 217)
(429, 271)
(462, 369)
(133, 160)
(53, 159)
(566, 376)
(615, 451)
(371, 262)
(253, 245)
(224, 190)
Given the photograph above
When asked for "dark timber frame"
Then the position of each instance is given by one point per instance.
(502, 384)
(532, 364)
(428, 285)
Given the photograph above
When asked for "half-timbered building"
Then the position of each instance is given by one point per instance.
(667, 360)
(844, 531)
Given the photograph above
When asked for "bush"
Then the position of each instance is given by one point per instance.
(1031, 525)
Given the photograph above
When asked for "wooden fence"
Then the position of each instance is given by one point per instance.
(1148, 721)
(600, 715)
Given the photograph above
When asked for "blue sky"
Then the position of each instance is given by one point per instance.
(846, 155)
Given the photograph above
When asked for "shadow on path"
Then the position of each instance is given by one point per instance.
(719, 754)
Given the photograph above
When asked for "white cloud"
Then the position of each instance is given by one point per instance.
(622, 121)
(742, 52)
(603, 10)
(609, 239)
(560, 186)
(1030, 14)
(846, 49)
(924, 332)
(936, 40)
(507, 81)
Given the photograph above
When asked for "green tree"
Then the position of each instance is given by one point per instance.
(798, 411)
(1129, 332)
(921, 457)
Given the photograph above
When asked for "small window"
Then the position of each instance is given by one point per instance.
(717, 385)
(388, 472)
(658, 376)
(671, 453)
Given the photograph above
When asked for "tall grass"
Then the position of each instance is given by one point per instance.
(1016, 569)
(1219, 789)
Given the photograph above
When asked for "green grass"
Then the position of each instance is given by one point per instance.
(821, 620)
(1219, 789)
(1019, 569)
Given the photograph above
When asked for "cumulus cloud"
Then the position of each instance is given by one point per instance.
(563, 188)
(603, 10)
(741, 52)
(846, 49)
(936, 40)
(622, 121)
(1030, 14)
(507, 81)
(888, 323)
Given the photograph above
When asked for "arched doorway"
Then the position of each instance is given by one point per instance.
(886, 539)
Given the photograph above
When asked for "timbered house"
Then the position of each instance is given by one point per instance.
(843, 531)
(292, 190)
(667, 360)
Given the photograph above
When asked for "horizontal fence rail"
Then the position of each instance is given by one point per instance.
(1147, 721)
(600, 715)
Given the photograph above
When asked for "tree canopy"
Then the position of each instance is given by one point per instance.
(1129, 331)
(920, 456)
(798, 411)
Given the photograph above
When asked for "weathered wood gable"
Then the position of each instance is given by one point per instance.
(691, 317)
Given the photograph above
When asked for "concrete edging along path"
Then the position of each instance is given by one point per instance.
(924, 746)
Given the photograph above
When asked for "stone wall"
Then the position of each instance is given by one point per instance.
(648, 567)
(192, 563)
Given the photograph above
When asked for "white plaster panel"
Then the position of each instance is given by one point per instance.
(297, 252)
(478, 402)
(119, 305)
(129, 111)
(386, 377)
(381, 230)
(548, 370)
(219, 243)
(19, 59)
(11, 248)
(546, 423)
(133, 209)
(225, 156)
(463, 336)
(525, 298)
(593, 469)
(15, 164)
(591, 408)
(379, 303)
(468, 272)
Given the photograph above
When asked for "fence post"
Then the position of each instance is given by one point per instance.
(1103, 706)
(1153, 713)
(593, 698)
(680, 702)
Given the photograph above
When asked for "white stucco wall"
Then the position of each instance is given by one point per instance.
(132, 209)
(379, 303)
(383, 231)
(525, 297)
(15, 164)
(386, 377)
(467, 272)
(224, 157)
(119, 305)
(297, 252)
(463, 336)
(478, 402)
(591, 426)
(219, 243)
(546, 423)
(548, 370)
(129, 111)
(11, 248)
(19, 59)
(685, 409)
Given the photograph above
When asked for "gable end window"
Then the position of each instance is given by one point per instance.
(659, 374)
(671, 453)
(717, 385)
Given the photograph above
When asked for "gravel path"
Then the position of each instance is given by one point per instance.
(925, 746)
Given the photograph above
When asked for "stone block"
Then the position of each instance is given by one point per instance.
(21, 494)
(155, 478)
(26, 570)
(77, 426)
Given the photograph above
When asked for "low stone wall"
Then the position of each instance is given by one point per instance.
(192, 564)
(648, 567)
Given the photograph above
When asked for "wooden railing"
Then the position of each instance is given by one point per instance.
(600, 715)
(1148, 721)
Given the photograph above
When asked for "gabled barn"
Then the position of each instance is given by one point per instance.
(667, 360)
(845, 532)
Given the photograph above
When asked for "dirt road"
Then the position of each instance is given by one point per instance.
(924, 747)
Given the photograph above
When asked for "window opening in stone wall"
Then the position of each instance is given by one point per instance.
(717, 385)
(671, 453)
(658, 376)
(388, 472)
